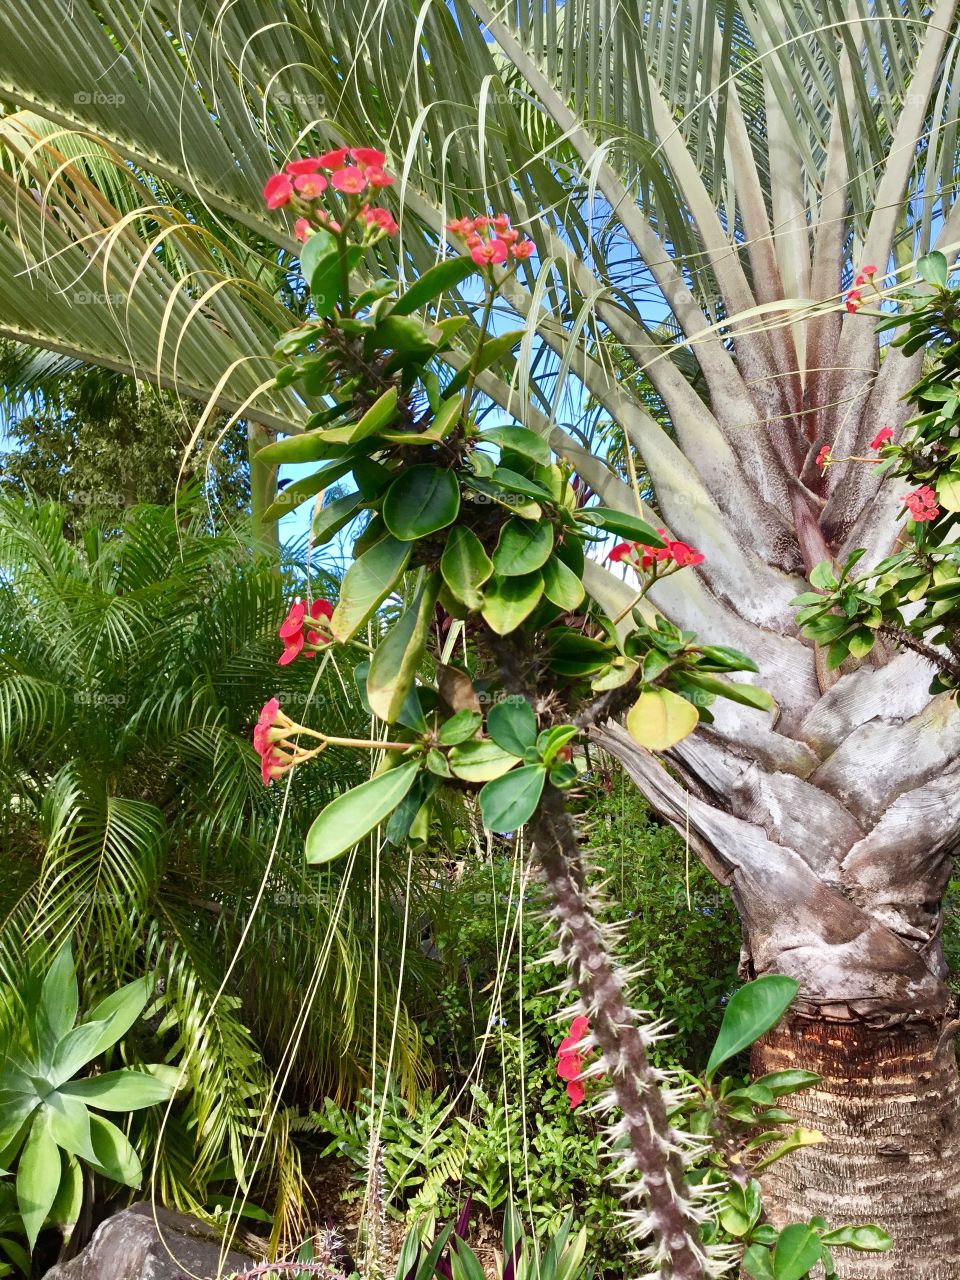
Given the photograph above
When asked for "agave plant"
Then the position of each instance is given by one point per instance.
(720, 172)
(135, 820)
(51, 1117)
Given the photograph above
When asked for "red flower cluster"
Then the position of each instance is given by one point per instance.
(302, 182)
(881, 438)
(292, 634)
(570, 1061)
(823, 457)
(491, 240)
(681, 554)
(853, 299)
(922, 504)
(272, 762)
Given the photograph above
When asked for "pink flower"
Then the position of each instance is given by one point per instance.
(861, 279)
(381, 218)
(684, 555)
(310, 185)
(570, 1061)
(291, 630)
(319, 609)
(509, 236)
(302, 228)
(267, 715)
(377, 178)
(368, 156)
(881, 438)
(277, 191)
(350, 181)
(461, 226)
(823, 457)
(870, 271)
(501, 223)
(482, 222)
(273, 763)
(309, 164)
(522, 250)
(333, 159)
(922, 504)
(493, 251)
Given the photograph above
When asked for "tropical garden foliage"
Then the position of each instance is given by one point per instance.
(559, 276)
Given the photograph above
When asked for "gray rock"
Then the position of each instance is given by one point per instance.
(147, 1243)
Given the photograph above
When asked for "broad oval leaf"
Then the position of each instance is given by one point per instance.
(624, 526)
(660, 718)
(465, 565)
(353, 815)
(520, 440)
(562, 586)
(948, 491)
(507, 601)
(512, 725)
(751, 1012)
(797, 1250)
(782, 1082)
(421, 501)
(367, 583)
(460, 727)
(447, 274)
(523, 547)
(866, 1239)
(480, 761)
(508, 802)
(394, 665)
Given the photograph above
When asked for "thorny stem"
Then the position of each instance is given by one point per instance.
(910, 641)
(652, 1152)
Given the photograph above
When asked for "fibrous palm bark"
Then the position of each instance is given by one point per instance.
(736, 161)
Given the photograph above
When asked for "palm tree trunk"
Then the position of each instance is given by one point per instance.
(887, 1105)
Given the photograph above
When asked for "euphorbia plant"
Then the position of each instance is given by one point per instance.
(481, 528)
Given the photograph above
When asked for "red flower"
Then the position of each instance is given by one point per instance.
(302, 228)
(492, 251)
(291, 630)
(684, 555)
(870, 271)
(461, 226)
(623, 551)
(570, 1061)
(277, 191)
(853, 301)
(368, 156)
(861, 279)
(319, 609)
(922, 504)
(377, 178)
(309, 164)
(381, 218)
(823, 457)
(272, 762)
(881, 438)
(482, 222)
(350, 181)
(310, 185)
(522, 250)
(333, 159)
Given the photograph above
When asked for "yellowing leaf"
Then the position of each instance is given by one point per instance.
(660, 719)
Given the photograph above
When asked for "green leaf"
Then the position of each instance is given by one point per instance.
(118, 1011)
(38, 1177)
(464, 1263)
(465, 565)
(747, 694)
(316, 248)
(123, 1090)
(553, 740)
(508, 601)
(447, 274)
(59, 999)
(492, 352)
(66, 1208)
(797, 1250)
(366, 584)
(326, 275)
(116, 1158)
(293, 495)
(480, 761)
(513, 482)
(624, 526)
(420, 501)
(520, 440)
(332, 517)
(460, 727)
(782, 1082)
(523, 547)
(660, 718)
(822, 575)
(355, 813)
(757, 1263)
(793, 1142)
(512, 725)
(562, 586)
(80, 1046)
(393, 667)
(866, 1239)
(948, 491)
(751, 1012)
(508, 802)
(933, 268)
